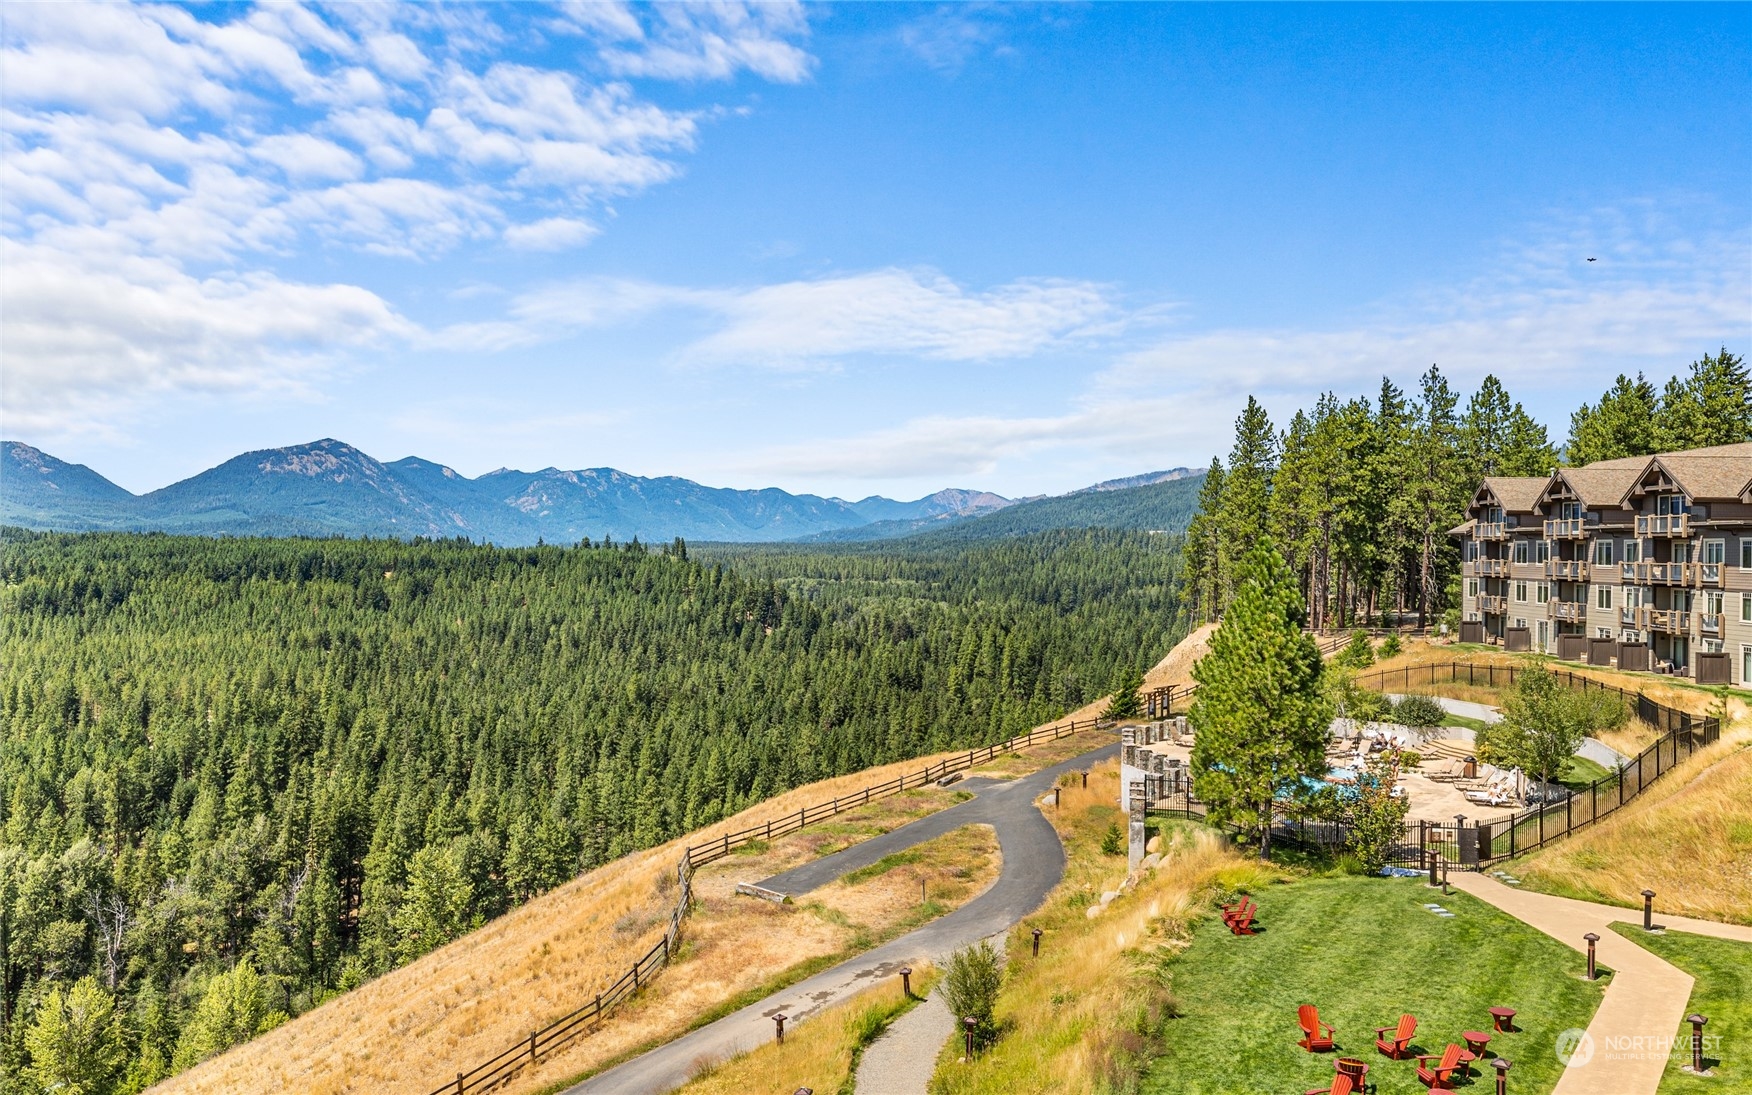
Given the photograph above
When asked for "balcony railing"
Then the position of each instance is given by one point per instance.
(1709, 574)
(1710, 624)
(1671, 620)
(1630, 616)
(1565, 528)
(1491, 568)
(1663, 524)
(1671, 574)
(1568, 610)
(1489, 603)
(1566, 570)
(1490, 530)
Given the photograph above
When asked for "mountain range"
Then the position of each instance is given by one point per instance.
(329, 488)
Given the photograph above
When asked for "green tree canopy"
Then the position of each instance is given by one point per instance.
(1260, 715)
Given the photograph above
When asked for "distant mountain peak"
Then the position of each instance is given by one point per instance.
(1147, 479)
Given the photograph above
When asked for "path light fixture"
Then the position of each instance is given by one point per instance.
(906, 981)
(779, 1020)
(1697, 1022)
(1037, 942)
(1502, 1071)
(805, 1091)
(1593, 974)
(969, 1022)
(1648, 910)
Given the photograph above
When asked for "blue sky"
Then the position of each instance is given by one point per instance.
(847, 249)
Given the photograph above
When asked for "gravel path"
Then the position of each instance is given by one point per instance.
(902, 1060)
(1034, 861)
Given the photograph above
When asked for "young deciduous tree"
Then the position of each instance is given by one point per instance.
(1260, 713)
(75, 1044)
(970, 987)
(1541, 728)
(1377, 817)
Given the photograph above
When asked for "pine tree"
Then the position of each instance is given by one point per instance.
(1260, 715)
(1621, 424)
(1711, 406)
(1127, 702)
(1244, 516)
(1501, 438)
(1203, 558)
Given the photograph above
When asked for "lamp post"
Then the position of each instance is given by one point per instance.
(906, 981)
(1037, 942)
(1502, 1071)
(970, 1022)
(1592, 939)
(1648, 910)
(1696, 1022)
(779, 1021)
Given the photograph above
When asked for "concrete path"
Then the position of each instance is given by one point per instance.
(1034, 861)
(1645, 998)
(902, 1060)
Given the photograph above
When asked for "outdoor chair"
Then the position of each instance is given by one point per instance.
(1399, 1046)
(1232, 911)
(1342, 1084)
(1312, 1039)
(1241, 921)
(1442, 1076)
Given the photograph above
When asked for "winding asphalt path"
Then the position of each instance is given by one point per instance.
(1034, 861)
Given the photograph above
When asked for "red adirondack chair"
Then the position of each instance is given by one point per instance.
(1241, 923)
(1232, 911)
(1312, 1040)
(1442, 1076)
(1342, 1084)
(1400, 1044)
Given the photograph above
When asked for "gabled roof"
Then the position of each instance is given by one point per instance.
(1719, 473)
(1599, 485)
(1464, 528)
(1516, 494)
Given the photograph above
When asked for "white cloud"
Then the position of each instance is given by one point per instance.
(715, 41)
(551, 234)
(85, 342)
(306, 158)
(949, 36)
(802, 324)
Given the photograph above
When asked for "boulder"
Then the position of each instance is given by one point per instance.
(1154, 844)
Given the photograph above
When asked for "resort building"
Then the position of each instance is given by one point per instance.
(1644, 563)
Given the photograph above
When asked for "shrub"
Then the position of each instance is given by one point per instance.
(1127, 701)
(1390, 647)
(1598, 711)
(1113, 841)
(970, 988)
(1420, 711)
(1359, 654)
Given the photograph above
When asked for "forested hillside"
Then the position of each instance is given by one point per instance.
(239, 775)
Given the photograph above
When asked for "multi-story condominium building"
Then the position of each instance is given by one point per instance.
(1644, 562)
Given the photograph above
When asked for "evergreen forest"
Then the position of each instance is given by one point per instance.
(238, 776)
(1360, 494)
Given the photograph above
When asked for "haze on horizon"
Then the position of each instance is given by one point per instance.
(845, 250)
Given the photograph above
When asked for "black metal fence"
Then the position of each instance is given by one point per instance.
(1470, 846)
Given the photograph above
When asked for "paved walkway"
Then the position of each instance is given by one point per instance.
(1645, 998)
(902, 1060)
(1033, 863)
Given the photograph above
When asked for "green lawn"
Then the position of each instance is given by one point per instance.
(1722, 994)
(1581, 772)
(1364, 950)
(1451, 719)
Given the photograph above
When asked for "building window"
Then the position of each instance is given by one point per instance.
(1714, 551)
(1521, 591)
(1746, 608)
(1521, 549)
(1541, 550)
(1632, 551)
(1712, 603)
(1603, 553)
(1542, 592)
(1633, 597)
(1603, 632)
(1669, 504)
(1746, 552)
(1631, 636)
(1681, 552)
(1746, 665)
(1472, 587)
(1603, 597)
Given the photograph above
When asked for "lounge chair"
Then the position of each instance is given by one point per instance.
(1312, 1039)
(1442, 1076)
(1398, 1046)
(1342, 1084)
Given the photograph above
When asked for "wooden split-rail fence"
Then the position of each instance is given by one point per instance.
(540, 1043)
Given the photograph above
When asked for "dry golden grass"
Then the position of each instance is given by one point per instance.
(1064, 1011)
(404, 1032)
(1688, 838)
(819, 1054)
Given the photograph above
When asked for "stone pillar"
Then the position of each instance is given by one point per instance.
(1135, 843)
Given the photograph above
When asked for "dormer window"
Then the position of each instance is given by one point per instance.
(1669, 504)
(1569, 511)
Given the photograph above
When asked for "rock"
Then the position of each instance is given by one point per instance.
(1154, 845)
(1151, 862)
(1108, 896)
(1094, 911)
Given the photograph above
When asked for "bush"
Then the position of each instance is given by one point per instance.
(1113, 841)
(1598, 711)
(970, 988)
(1352, 701)
(1419, 711)
(1390, 647)
(1127, 701)
(1359, 654)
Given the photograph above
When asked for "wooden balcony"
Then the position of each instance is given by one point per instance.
(1568, 610)
(1492, 605)
(1663, 524)
(1708, 624)
(1670, 574)
(1490, 568)
(1709, 575)
(1565, 528)
(1630, 616)
(1672, 621)
(1490, 530)
(1566, 570)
